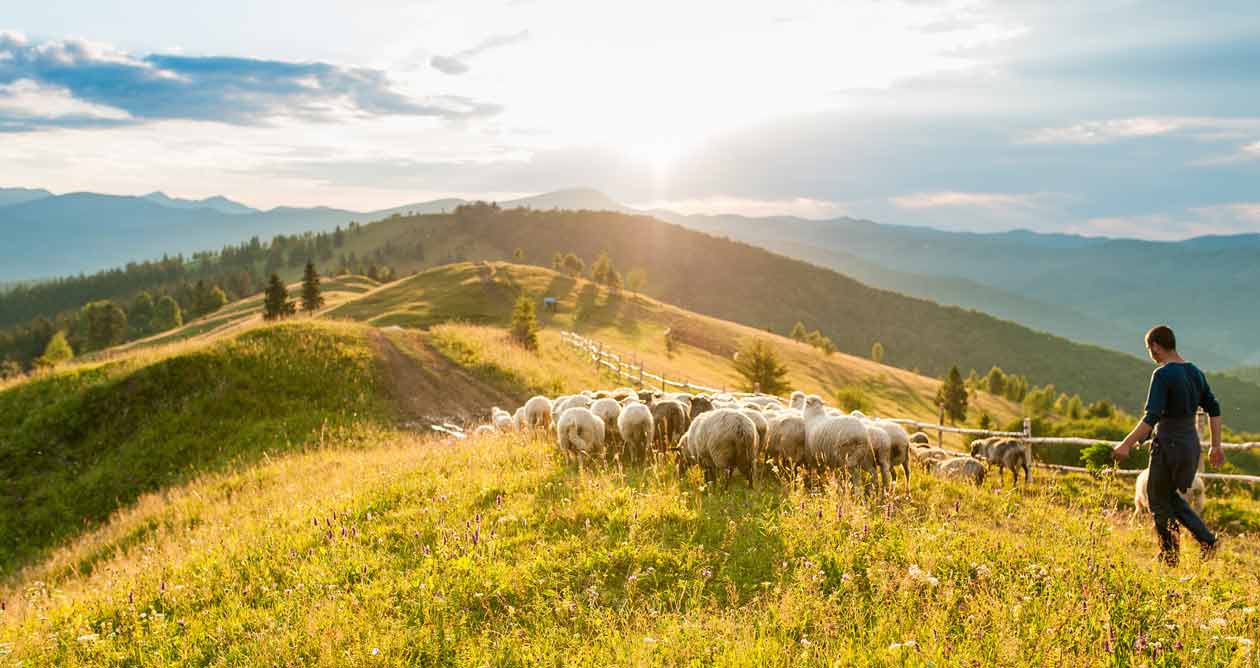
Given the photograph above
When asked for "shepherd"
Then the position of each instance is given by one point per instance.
(1178, 389)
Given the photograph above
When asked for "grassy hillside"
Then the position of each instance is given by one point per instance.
(495, 552)
(78, 444)
(631, 325)
(749, 285)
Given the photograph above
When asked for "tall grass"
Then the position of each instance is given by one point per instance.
(497, 552)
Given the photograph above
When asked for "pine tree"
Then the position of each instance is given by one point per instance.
(167, 314)
(339, 237)
(573, 264)
(760, 368)
(56, 352)
(312, 297)
(799, 332)
(602, 268)
(525, 323)
(557, 261)
(877, 352)
(953, 396)
(996, 381)
(276, 304)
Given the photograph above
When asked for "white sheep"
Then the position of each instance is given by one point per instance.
(538, 412)
(797, 400)
(580, 433)
(502, 419)
(927, 456)
(899, 447)
(1196, 496)
(607, 410)
(785, 438)
(759, 421)
(967, 469)
(636, 426)
(484, 430)
(837, 441)
(881, 445)
(724, 440)
(564, 403)
(519, 418)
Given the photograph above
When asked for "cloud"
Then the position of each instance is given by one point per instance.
(930, 200)
(1107, 131)
(458, 63)
(241, 91)
(1221, 219)
(801, 207)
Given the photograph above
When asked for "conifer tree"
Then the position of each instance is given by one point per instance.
(953, 396)
(761, 369)
(877, 352)
(276, 304)
(312, 296)
(525, 323)
(799, 333)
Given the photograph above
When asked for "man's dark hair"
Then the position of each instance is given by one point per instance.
(1163, 335)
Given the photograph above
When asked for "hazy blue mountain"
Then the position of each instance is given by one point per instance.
(217, 203)
(19, 195)
(1203, 287)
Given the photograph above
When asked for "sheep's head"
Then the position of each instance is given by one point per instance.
(977, 448)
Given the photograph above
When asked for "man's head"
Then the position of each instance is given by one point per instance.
(1160, 341)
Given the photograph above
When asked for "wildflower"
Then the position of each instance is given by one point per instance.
(805, 642)
(922, 577)
(706, 572)
(376, 650)
(909, 644)
(1217, 621)
(649, 639)
(632, 578)
(88, 637)
(1139, 644)
(982, 571)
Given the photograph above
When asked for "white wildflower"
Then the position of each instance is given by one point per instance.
(88, 637)
(922, 577)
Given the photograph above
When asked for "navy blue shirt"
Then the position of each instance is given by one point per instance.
(1178, 390)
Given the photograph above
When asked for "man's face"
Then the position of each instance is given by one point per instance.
(1155, 351)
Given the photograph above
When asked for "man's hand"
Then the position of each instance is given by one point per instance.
(1121, 452)
(1216, 457)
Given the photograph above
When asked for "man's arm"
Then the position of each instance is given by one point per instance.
(1139, 434)
(1216, 456)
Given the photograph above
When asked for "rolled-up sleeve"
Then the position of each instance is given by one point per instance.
(1207, 400)
(1156, 399)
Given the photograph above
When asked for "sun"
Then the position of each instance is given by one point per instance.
(659, 153)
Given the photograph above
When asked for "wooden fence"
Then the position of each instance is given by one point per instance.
(634, 371)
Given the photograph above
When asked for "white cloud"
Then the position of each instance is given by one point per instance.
(931, 200)
(25, 98)
(1107, 131)
(1224, 219)
(801, 207)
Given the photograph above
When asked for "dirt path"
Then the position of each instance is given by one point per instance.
(431, 389)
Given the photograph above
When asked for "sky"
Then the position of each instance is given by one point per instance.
(1126, 118)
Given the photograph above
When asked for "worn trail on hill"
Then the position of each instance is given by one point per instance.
(430, 388)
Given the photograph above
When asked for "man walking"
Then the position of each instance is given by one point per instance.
(1178, 389)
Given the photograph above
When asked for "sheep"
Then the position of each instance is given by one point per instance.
(928, 456)
(519, 418)
(797, 400)
(1196, 496)
(920, 438)
(700, 404)
(538, 412)
(580, 433)
(484, 430)
(647, 396)
(669, 418)
(759, 421)
(635, 425)
(881, 445)
(561, 404)
(838, 441)
(899, 447)
(682, 397)
(1007, 454)
(724, 440)
(502, 419)
(785, 438)
(761, 401)
(607, 410)
(857, 414)
(967, 469)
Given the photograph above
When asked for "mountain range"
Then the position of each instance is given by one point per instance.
(1103, 291)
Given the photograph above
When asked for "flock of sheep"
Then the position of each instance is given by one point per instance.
(724, 434)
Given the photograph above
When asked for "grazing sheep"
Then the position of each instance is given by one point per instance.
(538, 412)
(1006, 454)
(899, 447)
(881, 445)
(968, 469)
(580, 433)
(484, 429)
(634, 423)
(682, 397)
(759, 421)
(837, 441)
(785, 439)
(519, 418)
(608, 410)
(502, 419)
(920, 438)
(725, 440)
(1196, 496)
(669, 418)
(928, 456)
(797, 400)
(857, 414)
(700, 404)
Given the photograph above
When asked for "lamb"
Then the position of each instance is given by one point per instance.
(724, 440)
(1196, 496)
(838, 441)
(502, 419)
(607, 410)
(785, 439)
(899, 447)
(538, 412)
(580, 433)
(920, 438)
(635, 425)
(669, 418)
(881, 445)
(1007, 454)
(967, 469)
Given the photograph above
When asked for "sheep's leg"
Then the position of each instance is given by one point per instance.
(906, 466)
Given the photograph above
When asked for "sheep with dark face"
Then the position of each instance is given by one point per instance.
(670, 421)
(1006, 454)
(700, 404)
(920, 438)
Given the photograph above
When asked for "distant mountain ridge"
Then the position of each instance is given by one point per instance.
(217, 203)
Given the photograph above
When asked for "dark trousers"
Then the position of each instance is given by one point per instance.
(1169, 465)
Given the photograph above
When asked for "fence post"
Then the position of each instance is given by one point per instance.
(663, 375)
(640, 375)
(940, 433)
(599, 355)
